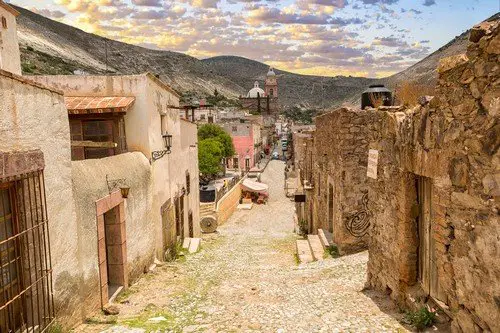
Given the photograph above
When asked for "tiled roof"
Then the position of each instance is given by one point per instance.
(84, 105)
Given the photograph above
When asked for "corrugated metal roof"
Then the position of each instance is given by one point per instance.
(83, 105)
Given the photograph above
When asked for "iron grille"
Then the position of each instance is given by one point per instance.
(26, 295)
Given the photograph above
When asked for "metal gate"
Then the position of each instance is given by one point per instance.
(26, 296)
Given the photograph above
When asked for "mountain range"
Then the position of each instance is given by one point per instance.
(51, 47)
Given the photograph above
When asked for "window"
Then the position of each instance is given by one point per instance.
(202, 116)
(24, 255)
(235, 163)
(235, 128)
(271, 92)
(97, 136)
(4, 22)
(98, 131)
(188, 182)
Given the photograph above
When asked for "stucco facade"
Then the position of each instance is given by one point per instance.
(10, 59)
(242, 134)
(34, 117)
(152, 114)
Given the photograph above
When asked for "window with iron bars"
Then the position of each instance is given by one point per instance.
(26, 296)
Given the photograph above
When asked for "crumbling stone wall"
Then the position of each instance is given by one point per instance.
(452, 140)
(341, 145)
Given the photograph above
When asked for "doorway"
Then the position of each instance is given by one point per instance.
(191, 224)
(168, 231)
(114, 252)
(330, 208)
(179, 216)
(112, 246)
(427, 263)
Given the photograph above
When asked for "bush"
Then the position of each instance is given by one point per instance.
(407, 93)
(333, 250)
(422, 318)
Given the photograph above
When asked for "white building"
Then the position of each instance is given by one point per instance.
(10, 58)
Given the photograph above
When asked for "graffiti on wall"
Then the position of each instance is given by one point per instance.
(358, 222)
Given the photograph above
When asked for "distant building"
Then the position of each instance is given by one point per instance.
(247, 141)
(263, 101)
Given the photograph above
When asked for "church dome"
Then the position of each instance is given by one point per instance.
(256, 90)
(271, 72)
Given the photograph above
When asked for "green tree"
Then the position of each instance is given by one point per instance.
(210, 153)
(212, 131)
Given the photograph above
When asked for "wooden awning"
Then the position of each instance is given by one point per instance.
(89, 105)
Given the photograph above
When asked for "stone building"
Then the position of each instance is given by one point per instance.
(340, 192)
(435, 200)
(264, 101)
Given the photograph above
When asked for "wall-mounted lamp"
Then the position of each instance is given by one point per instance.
(167, 139)
(120, 183)
(167, 142)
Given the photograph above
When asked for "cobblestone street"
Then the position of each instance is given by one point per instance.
(246, 279)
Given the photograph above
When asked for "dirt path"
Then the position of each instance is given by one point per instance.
(246, 279)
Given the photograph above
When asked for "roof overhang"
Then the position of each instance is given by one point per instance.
(93, 105)
(9, 8)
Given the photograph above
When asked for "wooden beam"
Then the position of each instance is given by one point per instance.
(93, 144)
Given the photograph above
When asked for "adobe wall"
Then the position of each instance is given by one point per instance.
(341, 146)
(90, 185)
(33, 117)
(453, 141)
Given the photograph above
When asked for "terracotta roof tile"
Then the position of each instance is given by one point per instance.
(82, 105)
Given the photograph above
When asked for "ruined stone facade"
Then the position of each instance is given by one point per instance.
(434, 205)
(339, 171)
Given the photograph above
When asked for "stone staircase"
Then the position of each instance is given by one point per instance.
(313, 248)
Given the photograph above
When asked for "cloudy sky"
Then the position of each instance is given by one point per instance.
(328, 37)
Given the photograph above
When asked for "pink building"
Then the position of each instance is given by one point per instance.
(247, 144)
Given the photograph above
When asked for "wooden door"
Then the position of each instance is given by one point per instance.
(427, 264)
(168, 229)
(330, 208)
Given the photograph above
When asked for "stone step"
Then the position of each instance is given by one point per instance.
(186, 242)
(324, 239)
(194, 245)
(304, 251)
(317, 248)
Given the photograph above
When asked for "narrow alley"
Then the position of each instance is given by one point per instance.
(246, 278)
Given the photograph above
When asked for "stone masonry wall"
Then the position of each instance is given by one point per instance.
(451, 142)
(341, 145)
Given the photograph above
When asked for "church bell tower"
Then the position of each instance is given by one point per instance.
(271, 84)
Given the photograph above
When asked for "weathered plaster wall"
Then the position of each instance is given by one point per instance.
(10, 58)
(90, 185)
(35, 118)
(189, 143)
(453, 141)
(341, 147)
(143, 122)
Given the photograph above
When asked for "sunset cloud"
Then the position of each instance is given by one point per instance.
(327, 37)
